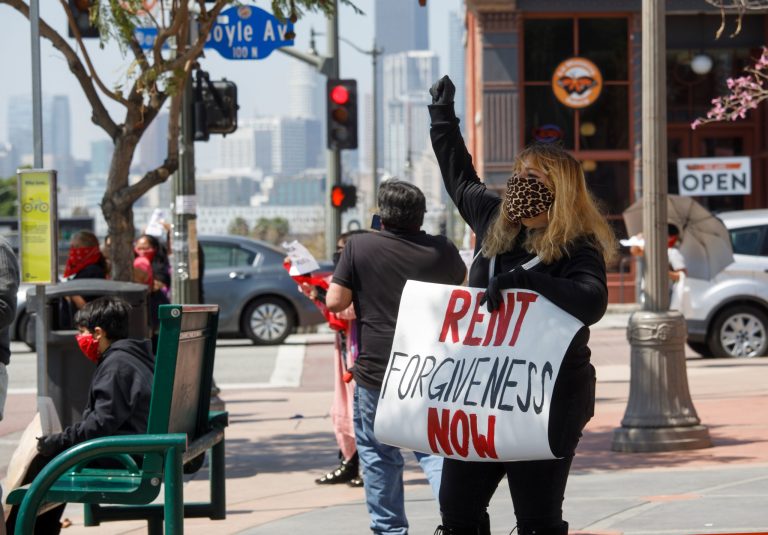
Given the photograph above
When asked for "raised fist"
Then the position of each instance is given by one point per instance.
(443, 91)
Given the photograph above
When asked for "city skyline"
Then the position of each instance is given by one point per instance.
(254, 103)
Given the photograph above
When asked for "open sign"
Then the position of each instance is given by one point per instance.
(714, 176)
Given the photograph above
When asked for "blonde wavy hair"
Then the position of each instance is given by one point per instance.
(574, 214)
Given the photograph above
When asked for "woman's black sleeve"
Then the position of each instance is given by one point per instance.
(475, 203)
(581, 289)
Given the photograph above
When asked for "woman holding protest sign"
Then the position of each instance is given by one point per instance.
(345, 354)
(545, 235)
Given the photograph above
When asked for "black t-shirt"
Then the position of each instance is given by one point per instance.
(376, 266)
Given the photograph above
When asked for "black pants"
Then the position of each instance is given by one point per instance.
(537, 489)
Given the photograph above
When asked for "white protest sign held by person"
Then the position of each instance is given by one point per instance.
(302, 261)
(468, 384)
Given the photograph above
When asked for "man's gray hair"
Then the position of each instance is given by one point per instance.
(401, 204)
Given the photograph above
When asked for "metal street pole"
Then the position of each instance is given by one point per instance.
(375, 53)
(332, 216)
(41, 325)
(660, 415)
(186, 269)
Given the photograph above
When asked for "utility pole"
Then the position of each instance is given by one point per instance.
(332, 217)
(41, 325)
(375, 53)
(660, 415)
(186, 269)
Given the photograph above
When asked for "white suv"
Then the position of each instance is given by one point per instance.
(728, 316)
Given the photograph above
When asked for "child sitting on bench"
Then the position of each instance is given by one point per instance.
(119, 395)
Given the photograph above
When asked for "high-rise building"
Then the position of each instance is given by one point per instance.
(153, 147)
(60, 134)
(306, 90)
(400, 25)
(456, 33)
(56, 135)
(405, 120)
(101, 156)
(276, 145)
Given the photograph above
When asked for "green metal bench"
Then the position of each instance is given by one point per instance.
(180, 429)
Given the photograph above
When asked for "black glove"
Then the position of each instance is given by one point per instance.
(493, 297)
(443, 91)
(48, 446)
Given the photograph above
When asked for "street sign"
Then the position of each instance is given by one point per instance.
(715, 176)
(37, 228)
(248, 32)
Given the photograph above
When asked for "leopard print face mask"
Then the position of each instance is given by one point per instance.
(526, 198)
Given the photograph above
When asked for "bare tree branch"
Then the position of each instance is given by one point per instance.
(100, 115)
(154, 177)
(92, 72)
(194, 51)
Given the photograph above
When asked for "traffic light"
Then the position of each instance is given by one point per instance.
(215, 107)
(342, 114)
(81, 13)
(343, 196)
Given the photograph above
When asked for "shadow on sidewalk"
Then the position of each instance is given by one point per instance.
(315, 452)
(594, 453)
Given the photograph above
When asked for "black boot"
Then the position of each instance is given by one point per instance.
(442, 530)
(346, 471)
(559, 529)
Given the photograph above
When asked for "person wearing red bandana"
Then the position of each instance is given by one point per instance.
(119, 393)
(85, 261)
(151, 267)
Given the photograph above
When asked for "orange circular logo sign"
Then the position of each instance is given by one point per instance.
(577, 82)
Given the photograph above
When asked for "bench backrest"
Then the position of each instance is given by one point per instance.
(181, 392)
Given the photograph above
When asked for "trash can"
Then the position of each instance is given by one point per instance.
(69, 372)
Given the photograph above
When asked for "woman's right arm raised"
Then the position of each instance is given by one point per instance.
(468, 193)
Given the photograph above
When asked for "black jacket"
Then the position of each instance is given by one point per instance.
(576, 283)
(118, 401)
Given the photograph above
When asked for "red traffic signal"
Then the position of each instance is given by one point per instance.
(341, 99)
(343, 196)
(339, 94)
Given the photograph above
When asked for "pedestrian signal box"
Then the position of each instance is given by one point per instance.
(343, 196)
(215, 107)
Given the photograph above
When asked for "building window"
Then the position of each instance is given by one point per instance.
(604, 125)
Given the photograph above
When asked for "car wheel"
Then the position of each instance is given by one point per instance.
(739, 332)
(701, 348)
(268, 321)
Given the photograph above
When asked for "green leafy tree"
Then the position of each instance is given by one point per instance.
(150, 80)
(8, 197)
(238, 226)
(272, 230)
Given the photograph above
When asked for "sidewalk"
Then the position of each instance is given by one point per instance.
(279, 440)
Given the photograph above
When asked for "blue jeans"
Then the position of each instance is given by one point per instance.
(383, 469)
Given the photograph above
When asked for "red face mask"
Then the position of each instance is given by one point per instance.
(671, 241)
(89, 346)
(149, 254)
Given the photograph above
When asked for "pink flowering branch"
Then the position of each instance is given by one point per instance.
(745, 93)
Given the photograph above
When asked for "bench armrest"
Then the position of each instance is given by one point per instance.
(86, 451)
(127, 461)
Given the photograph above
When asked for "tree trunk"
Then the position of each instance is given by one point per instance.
(118, 210)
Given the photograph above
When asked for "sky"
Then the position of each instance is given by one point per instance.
(261, 84)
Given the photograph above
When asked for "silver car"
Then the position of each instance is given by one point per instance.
(258, 298)
(728, 316)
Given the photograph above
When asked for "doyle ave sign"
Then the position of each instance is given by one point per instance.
(248, 32)
(714, 176)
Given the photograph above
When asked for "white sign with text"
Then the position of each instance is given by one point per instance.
(468, 384)
(714, 176)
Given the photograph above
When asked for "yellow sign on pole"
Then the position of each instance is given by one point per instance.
(37, 226)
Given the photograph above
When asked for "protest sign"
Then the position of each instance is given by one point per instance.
(468, 384)
(302, 261)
